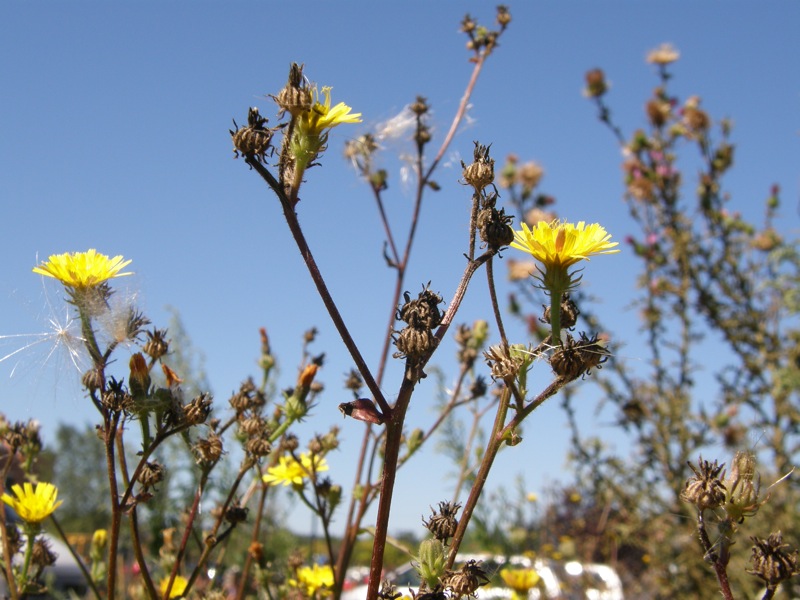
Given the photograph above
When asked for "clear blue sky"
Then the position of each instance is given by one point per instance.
(115, 125)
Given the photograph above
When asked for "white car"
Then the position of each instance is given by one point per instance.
(559, 580)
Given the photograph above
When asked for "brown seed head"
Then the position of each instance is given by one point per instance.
(480, 173)
(157, 344)
(773, 561)
(467, 580)
(296, 97)
(596, 84)
(705, 489)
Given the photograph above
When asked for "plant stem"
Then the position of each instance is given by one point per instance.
(319, 282)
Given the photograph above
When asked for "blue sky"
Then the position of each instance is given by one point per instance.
(115, 123)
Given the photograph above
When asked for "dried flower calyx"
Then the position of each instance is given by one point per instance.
(705, 489)
(578, 357)
(773, 561)
(480, 173)
(467, 580)
(443, 523)
(252, 140)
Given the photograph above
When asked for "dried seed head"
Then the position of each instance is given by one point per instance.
(14, 537)
(157, 344)
(480, 173)
(388, 591)
(493, 226)
(252, 426)
(151, 474)
(443, 524)
(705, 489)
(467, 580)
(503, 365)
(420, 106)
(116, 396)
(576, 358)
(569, 312)
(43, 555)
(258, 447)
(772, 560)
(93, 379)
(208, 450)
(503, 16)
(236, 513)
(596, 84)
(296, 97)
(197, 411)
(423, 312)
(414, 343)
(247, 398)
(252, 141)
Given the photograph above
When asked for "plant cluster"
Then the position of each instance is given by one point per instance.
(711, 267)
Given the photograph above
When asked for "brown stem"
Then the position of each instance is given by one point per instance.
(7, 554)
(394, 434)
(110, 430)
(186, 533)
(719, 568)
(319, 282)
(498, 318)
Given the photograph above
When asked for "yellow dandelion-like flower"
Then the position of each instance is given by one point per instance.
(82, 269)
(520, 580)
(663, 55)
(316, 580)
(178, 586)
(33, 505)
(560, 245)
(322, 116)
(312, 126)
(289, 471)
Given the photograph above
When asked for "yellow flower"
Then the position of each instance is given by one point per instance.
(33, 505)
(520, 580)
(82, 269)
(289, 471)
(316, 578)
(560, 245)
(311, 129)
(322, 116)
(178, 586)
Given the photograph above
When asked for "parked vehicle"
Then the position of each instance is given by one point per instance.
(559, 580)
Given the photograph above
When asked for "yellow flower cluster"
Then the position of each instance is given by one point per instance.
(33, 505)
(289, 471)
(315, 580)
(82, 269)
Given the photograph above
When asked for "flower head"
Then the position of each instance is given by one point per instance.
(311, 128)
(663, 55)
(33, 505)
(178, 586)
(560, 245)
(81, 270)
(520, 580)
(322, 116)
(314, 579)
(289, 471)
